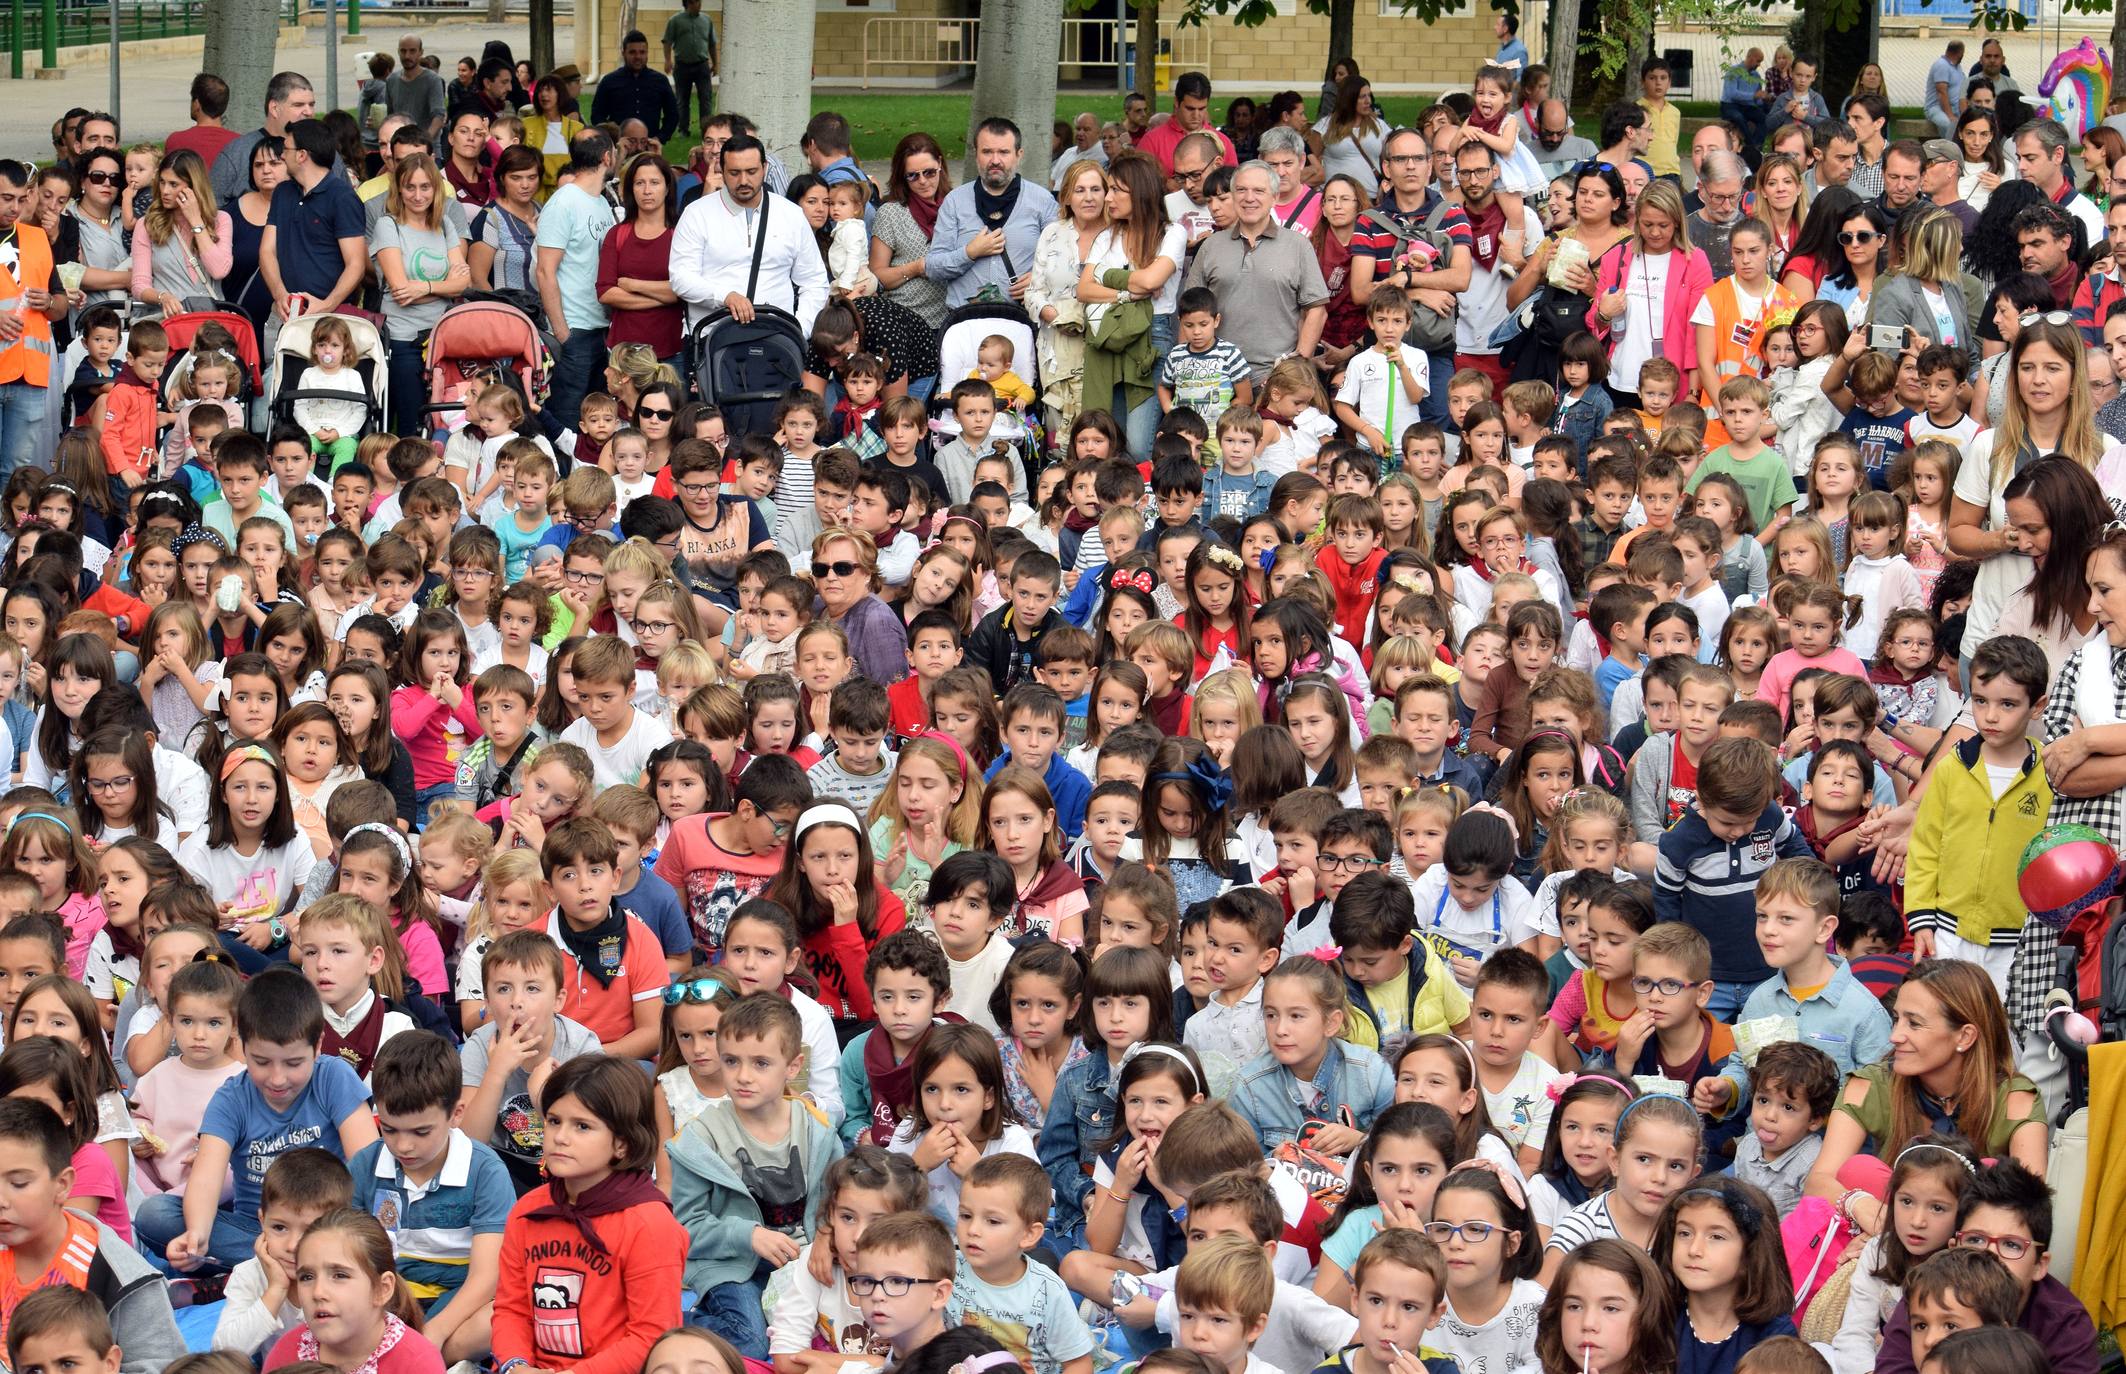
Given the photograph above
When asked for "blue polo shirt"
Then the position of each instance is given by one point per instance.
(308, 229)
(432, 1228)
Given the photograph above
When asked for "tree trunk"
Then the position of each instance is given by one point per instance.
(2118, 42)
(1340, 16)
(1845, 52)
(1147, 53)
(1015, 76)
(542, 35)
(1563, 48)
(773, 86)
(240, 43)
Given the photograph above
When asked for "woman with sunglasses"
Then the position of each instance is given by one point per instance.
(1863, 255)
(1816, 253)
(654, 416)
(845, 570)
(900, 231)
(106, 248)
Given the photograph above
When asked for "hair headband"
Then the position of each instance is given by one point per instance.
(826, 813)
(1475, 1078)
(959, 754)
(1224, 557)
(1484, 808)
(196, 534)
(1507, 1182)
(253, 753)
(398, 841)
(987, 1360)
(1641, 1101)
(61, 486)
(964, 520)
(1565, 1083)
(1144, 1047)
(59, 821)
(1746, 1213)
(1206, 779)
(1969, 1167)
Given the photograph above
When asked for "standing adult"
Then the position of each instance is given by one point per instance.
(492, 81)
(104, 249)
(1837, 146)
(1564, 269)
(1351, 136)
(1645, 294)
(635, 264)
(1781, 204)
(420, 259)
(714, 248)
(2020, 296)
(986, 230)
(1720, 178)
(207, 135)
(414, 91)
(181, 245)
(1978, 138)
(1903, 167)
(27, 275)
(248, 213)
(2041, 160)
(1864, 256)
(1189, 207)
(1482, 307)
(1192, 114)
(1512, 53)
(2044, 239)
(1926, 294)
(1349, 274)
(502, 251)
(1745, 100)
(1084, 147)
(1267, 279)
(289, 100)
(845, 570)
(574, 223)
(1869, 115)
(690, 60)
(1137, 258)
(632, 91)
(1940, 175)
(901, 230)
(316, 241)
(1557, 148)
(1945, 88)
(1288, 109)
(1816, 253)
(1729, 320)
(549, 129)
(1059, 259)
(1388, 231)
(467, 169)
(1297, 204)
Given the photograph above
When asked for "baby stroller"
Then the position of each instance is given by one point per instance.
(294, 356)
(745, 369)
(477, 342)
(184, 329)
(959, 346)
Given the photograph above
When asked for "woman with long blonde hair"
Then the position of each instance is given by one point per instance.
(1780, 200)
(412, 235)
(183, 246)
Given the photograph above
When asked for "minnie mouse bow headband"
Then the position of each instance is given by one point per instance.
(1136, 579)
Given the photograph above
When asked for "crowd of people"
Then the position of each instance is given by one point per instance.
(1365, 784)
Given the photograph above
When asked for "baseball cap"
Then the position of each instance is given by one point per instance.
(1939, 150)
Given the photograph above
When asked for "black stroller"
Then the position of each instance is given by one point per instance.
(744, 368)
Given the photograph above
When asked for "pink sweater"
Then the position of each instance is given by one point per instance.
(1786, 665)
(418, 718)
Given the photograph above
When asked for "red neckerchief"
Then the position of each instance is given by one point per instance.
(1884, 672)
(1476, 565)
(1805, 819)
(1487, 226)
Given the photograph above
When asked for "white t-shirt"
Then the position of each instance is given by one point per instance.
(1482, 308)
(1503, 1345)
(260, 883)
(1521, 1110)
(1921, 429)
(1711, 608)
(1508, 919)
(1374, 387)
(973, 981)
(1645, 307)
(621, 763)
(1107, 251)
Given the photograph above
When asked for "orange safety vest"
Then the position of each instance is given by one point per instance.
(29, 358)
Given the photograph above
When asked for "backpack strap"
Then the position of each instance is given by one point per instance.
(760, 247)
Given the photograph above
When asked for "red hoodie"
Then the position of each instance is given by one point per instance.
(129, 425)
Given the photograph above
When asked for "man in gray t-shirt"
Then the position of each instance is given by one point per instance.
(1268, 281)
(415, 91)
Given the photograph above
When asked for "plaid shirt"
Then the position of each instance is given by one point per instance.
(2036, 968)
(1595, 542)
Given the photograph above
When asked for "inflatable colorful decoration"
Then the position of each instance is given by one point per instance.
(2076, 88)
(2066, 870)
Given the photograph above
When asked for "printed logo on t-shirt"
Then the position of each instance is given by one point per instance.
(557, 1311)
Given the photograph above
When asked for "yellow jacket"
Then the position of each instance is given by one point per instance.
(1974, 894)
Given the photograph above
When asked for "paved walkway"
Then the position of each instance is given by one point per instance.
(155, 99)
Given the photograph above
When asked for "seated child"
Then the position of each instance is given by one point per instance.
(1023, 1304)
(1222, 1296)
(170, 1098)
(895, 1249)
(1396, 984)
(1399, 1287)
(909, 979)
(302, 1186)
(1677, 1038)
(448, 1194)
(993, 359)
(521, 976)
(333, 426)
(1952, 1290)
(1792, 1088)
(748, 1173)
(815, 1325)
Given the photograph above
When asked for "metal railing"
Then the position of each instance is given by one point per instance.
(45, 28)
(940, 45)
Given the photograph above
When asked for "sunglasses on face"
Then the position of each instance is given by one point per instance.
(843, 568)
(648, 414)
(1853, 237)
(102, 178)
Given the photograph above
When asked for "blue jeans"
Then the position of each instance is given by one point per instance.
(1433, 408)
(1726, 1002)
(161, 1220)
(1141, 422)
(576, 363)
(429, 796)
(1749, 116)
(22, 406)
(733, 1311)
(409, 389)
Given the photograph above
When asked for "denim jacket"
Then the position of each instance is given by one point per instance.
(1842, 1018)
(1349, 1076)
(1081, 1115)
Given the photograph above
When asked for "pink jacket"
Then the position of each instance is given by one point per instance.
(419, 719)
(1689, 277)
(215, 256)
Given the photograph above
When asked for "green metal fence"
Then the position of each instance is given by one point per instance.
(45, 26)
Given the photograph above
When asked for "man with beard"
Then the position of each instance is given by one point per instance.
(1482, 307)
(1720, 179)
(986, 229)
(713, 258)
